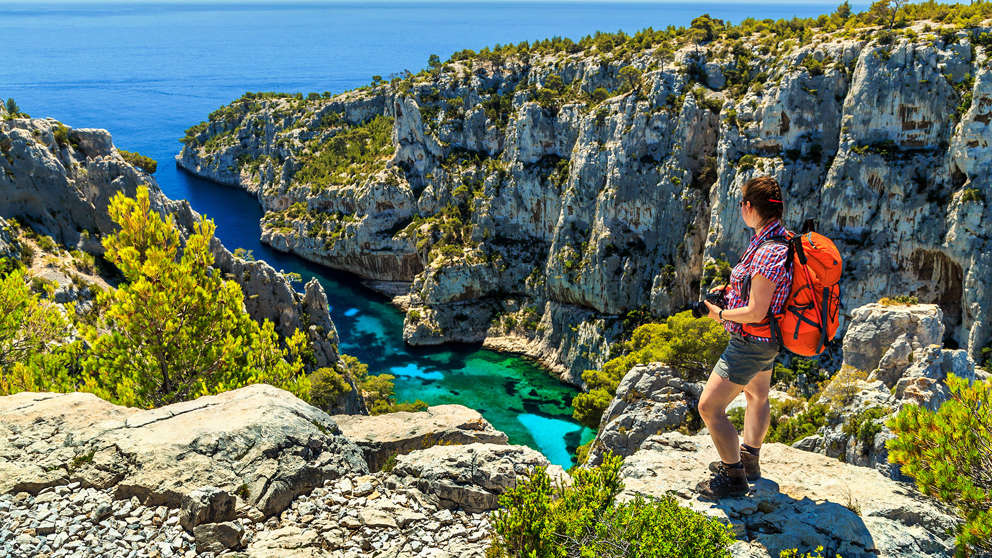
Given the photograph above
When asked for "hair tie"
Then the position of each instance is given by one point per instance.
(773, 200)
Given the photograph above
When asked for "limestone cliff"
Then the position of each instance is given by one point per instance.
(534, 203)
(59, 181)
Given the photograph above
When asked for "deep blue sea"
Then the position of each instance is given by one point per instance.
(147, 71)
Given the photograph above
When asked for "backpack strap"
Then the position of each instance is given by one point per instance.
(773, 327)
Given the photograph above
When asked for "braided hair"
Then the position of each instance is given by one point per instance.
(765, 196)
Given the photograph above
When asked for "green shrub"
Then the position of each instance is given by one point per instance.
(14, 111)
(61, 133)
(898, 300)
(864, 425)
(972, 195)
(326, 387)
(539, 519)
(47, 243)
(948, 453)
(791, 429)
(146, 164)
(354, 151)
(599, 95)
(690, 346)
(377, 390)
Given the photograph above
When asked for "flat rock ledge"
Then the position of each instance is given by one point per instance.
(802, 500)
(470, 477)
(382, 436)
(258, 443)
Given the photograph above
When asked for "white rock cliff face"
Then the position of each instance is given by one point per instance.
(571, 216)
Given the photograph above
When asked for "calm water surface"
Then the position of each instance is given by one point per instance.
(147, 71)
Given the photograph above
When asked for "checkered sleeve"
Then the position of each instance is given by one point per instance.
(769, 262)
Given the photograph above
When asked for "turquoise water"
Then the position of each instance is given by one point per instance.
(147, 71)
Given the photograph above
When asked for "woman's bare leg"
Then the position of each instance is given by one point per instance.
(757, 415)
(717, 394)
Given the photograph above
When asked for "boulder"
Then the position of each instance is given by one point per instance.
(381, 436)
(802, 500)
(259, 442)
(910, 367)
(650, 399)
(469, 477)
(879, 333)
(207, 504)
(218, 537)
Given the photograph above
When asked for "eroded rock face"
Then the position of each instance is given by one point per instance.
(879, 336)
(802, 500)
(259, 443)
(650, 399)
(597, 211)
(382, 436)
(469, 477)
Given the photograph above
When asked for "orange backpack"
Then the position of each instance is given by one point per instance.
(809, 317)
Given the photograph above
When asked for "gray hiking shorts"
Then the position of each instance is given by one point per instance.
(743, 359)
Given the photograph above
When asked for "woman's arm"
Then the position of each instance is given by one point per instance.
(759, 299)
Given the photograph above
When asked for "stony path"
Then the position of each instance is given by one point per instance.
(73, 521)
(356, 516)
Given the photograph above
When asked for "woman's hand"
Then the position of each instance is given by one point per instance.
(714, 310)
(720, 288)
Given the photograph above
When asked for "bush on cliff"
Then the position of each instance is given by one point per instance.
(29, 327)
(176, 329)
(146, 164)
(949, 453)
(544, 520)
(690, 346)
(377, 390)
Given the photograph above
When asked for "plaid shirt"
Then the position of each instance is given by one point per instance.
(767, 261)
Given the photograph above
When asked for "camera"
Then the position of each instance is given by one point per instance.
(699, 309)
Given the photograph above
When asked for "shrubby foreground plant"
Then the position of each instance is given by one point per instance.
(542, 519)
(949, 453)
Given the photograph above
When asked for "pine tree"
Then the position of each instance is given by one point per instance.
(949, 453)
(176, 329)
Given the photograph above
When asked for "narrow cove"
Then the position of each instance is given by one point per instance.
(518, 397)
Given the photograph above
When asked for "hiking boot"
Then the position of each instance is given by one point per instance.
(750, 462)
(728, 481)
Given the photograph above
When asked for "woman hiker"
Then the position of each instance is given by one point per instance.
(746, 363)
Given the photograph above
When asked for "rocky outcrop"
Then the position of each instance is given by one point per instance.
(537, 226)
(253, 471)
(469, 477)
(803, 500)
(382, 437)
(259, 444)
(892, 358)
(650, 399)
(59, 181)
